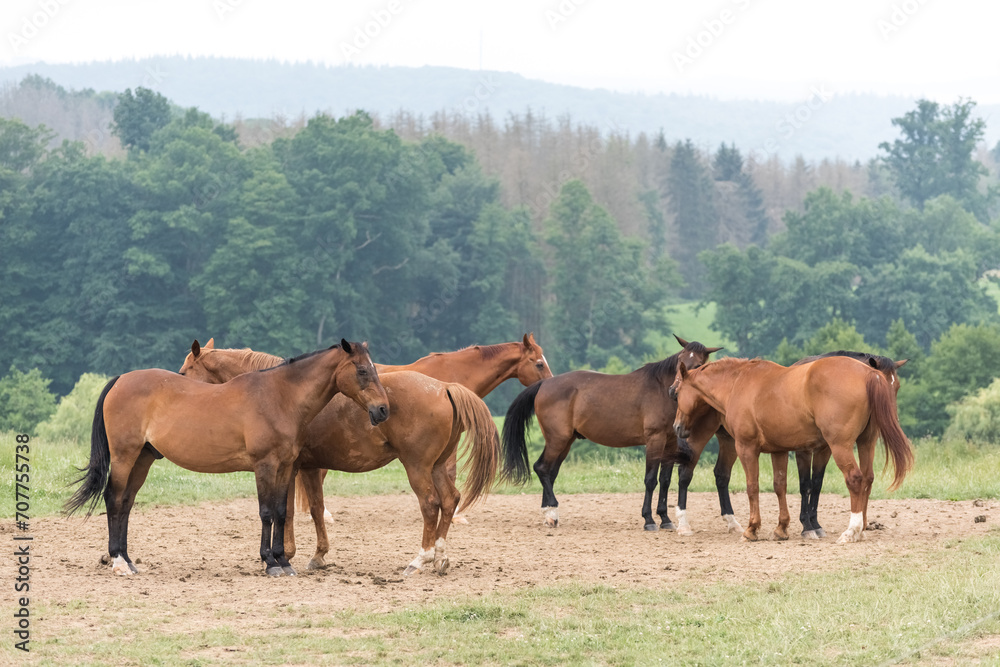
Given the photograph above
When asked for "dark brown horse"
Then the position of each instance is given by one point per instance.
(612, 410)
(481, 368)
(768, 408)
(428, 419)
(811, 464)
(255, 423)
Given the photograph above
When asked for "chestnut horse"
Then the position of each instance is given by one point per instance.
(811, 464)
(428, 419)
(612, 410)
(834, 402)
(481, 368)
(256, 423)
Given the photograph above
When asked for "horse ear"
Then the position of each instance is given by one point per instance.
(364, 344)
(873, 363)
(526, 340)
(344, 344)
(901, 363)
(710, 350)
(195, 348)
(210, 345)
(680, 340)
(682, 370)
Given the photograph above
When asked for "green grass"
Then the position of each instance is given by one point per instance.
(685, 320)
(954, 470)
(940, 607)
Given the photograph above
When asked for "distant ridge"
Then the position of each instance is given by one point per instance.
(825, 126)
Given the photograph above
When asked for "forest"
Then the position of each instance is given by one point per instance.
(424, 234)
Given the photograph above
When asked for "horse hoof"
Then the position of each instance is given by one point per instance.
(732, 523)
(410, 569)
(668, 525)
(685, 531)
(122, 567)
(275, 571)
(289, 570)
(810, 535)
(651, 528)
(316, 563)
(849, 536)
(441, 566)
(458, 518)
(748, 538)
(779, 537)
(820, 532)
(551, 523)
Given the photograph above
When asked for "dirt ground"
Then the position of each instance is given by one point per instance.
(207, 555)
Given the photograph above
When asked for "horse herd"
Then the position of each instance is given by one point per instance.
(290, 421)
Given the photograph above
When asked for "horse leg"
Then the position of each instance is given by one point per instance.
(820, 458)
(290, 521)
(779, 464)
(685, 473)
(453, 472)
(803, 461)
(843, 455)
(272, 494)
(119, 496)
(866, 456)
(444, 483)
(422, 483)
(547, 468)
(748, 457)
(654, 459)
(666, 472)
(312, 486)
(326, 513)
(723, 472)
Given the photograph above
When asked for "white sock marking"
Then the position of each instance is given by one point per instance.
(734, 525)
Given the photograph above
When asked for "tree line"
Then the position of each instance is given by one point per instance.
(432, 237)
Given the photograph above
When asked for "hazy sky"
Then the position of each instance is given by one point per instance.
(761, 49)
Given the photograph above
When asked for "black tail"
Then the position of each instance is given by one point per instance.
(95, 476)
(515, 428)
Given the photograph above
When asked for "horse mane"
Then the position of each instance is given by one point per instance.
(667, 368)
(252, 360)
(487, 352)
(292, 360)
(883, 364)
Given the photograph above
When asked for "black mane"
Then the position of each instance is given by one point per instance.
(667, 369)
(876, 361)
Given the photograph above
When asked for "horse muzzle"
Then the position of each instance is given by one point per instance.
(378, 414)
(682, 431)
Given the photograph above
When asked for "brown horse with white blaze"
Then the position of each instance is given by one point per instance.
(429, 418)
(834, 402)
(255, 423)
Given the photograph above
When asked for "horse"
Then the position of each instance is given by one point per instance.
(429, 418)
(481, 368)
(769, 408)
(612, 410)
(255, 423)
(811, 464)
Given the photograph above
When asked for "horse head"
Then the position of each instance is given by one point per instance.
(693, 354)
(358, 380)
(200, 364)
(693, 410)
(532, 367)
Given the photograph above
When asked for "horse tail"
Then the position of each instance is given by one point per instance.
(882, 402)
(95, 477)
(481, 445)
(301, 498)
(515, 429)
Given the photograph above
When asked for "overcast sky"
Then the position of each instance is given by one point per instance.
(757, 49)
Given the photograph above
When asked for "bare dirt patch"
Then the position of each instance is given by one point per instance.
(205, 558)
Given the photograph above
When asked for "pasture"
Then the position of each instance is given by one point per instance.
(923, 589)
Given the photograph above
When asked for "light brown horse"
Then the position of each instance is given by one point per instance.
(811, 463)
(481, 368)
(255, 423)
(428, 419)
(612, 410)
(768, 408)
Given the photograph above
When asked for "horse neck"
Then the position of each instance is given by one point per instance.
(717, 383)
(468, 367)
(312, 381)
